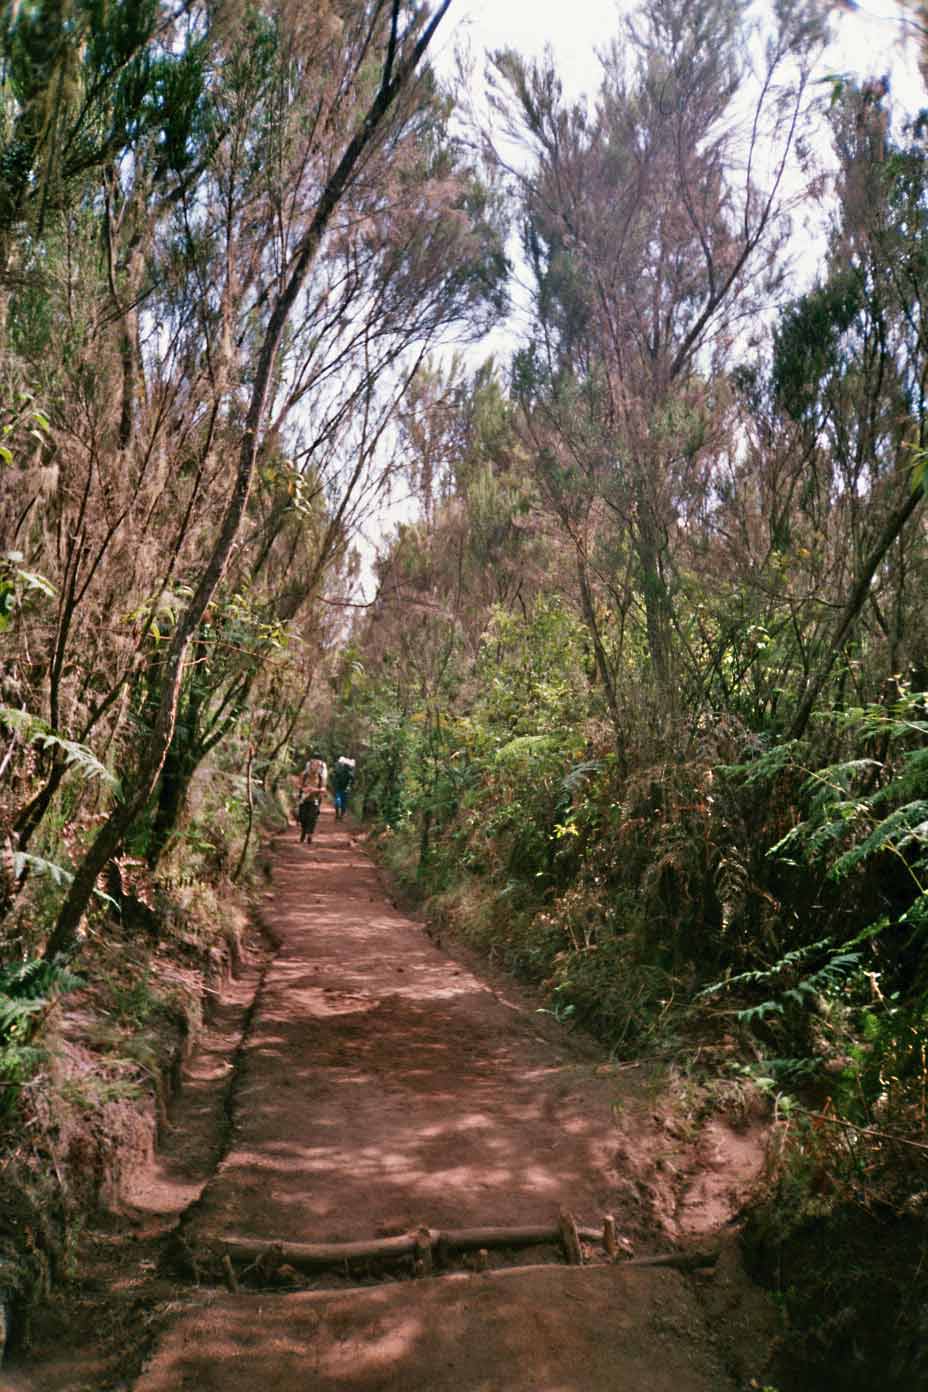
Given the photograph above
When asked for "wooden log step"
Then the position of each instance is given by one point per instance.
(424, 1242)
(319, 1255)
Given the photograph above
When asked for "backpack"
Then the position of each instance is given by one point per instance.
(343, 776)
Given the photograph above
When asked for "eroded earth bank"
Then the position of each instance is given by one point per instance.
(400, 1138)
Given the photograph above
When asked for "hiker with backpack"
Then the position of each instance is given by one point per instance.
(342, 779)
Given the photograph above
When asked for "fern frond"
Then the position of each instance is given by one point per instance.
(793, 837)
(14, 1056)
(525, 747)
(20, 721)
(766, 767)
(77, 756)
(38, 977)
(792, 1070)
(759, 1012)
(910, 781)
(756, 978)
(902, 827)
(580, 773)
(40, 866)
(916, 917)
(829, 979)
(732, 878)
(813, 839)
(16, 1013)
(900, 721)
(824, 783)
(57, 872)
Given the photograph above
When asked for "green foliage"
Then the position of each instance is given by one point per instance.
(905, 828)
(808, 341)
(85, 84)
(862, 843)
(23, 860)
(76, 756)
(797, 990)
(27, 990)
(18, 587)
(767, 766)
(386, 771)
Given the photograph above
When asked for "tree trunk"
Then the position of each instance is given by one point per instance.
(250, 798)
(173, 786)
(602, 662)
(657, 609)
(855, 603)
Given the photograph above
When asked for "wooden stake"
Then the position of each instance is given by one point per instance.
(229, 1269)
(570, 1238)
(609, 1238)
(423, 1263)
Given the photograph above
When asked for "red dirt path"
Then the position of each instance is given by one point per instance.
(383, 1086)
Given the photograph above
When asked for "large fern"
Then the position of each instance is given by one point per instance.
(800, 992)
(768, 766)
(861, 844)
(76, 756)
(27, 990)
(838, 782)
(905, 828)
(40, 866)
(37, 978)
(909, 780)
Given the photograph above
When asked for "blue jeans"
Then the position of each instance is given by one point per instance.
(341, 801)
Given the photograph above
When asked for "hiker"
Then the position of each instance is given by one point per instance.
(315, 776)
(342, 779)
(313, 782)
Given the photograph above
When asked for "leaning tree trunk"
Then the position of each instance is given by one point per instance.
(603, 669)
(151, 760)
(855, 602)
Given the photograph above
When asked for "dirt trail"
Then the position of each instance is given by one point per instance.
(383, 1086)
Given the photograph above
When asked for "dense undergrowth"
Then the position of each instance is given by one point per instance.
(756, 891)
(91, 1048)
(774, 888)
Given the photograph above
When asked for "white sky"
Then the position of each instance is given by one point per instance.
(868, 41)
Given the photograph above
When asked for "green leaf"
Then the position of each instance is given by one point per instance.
(919, 470)
(40, 866)
(35, 581)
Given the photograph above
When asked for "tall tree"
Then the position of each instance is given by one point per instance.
(654, 224)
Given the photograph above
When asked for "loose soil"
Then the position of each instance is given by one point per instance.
(362, 1083)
